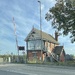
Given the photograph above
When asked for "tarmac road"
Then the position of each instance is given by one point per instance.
(9, 73)
(25, 69)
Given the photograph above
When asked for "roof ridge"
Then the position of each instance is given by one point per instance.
(45, 36)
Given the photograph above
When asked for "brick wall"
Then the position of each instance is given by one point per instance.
(50, 46)
(32, 53)
(62, 57)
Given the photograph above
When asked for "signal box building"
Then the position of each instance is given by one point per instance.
(41, 45)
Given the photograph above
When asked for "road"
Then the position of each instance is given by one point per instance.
(9, 73)
(25, 69)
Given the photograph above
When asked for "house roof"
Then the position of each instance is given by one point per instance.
(45, 36)
(58, 49)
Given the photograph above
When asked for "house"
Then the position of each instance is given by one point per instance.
(40, 45)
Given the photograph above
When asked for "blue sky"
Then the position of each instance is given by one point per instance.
(26, 15)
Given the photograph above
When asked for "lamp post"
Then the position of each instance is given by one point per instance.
(40, 28)
(40, 15)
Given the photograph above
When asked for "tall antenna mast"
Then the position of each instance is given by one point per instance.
(16, 37)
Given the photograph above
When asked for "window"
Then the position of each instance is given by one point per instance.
(30, 45)
(35, 45)
(38, 44)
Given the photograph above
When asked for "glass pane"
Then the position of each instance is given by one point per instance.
(30, 45)
(38, 44)
(35, 45)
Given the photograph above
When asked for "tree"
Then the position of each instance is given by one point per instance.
(63, 17)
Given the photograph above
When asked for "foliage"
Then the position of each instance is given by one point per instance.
(63, 17)
(14, 58)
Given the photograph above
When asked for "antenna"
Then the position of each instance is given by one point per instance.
(16, 37)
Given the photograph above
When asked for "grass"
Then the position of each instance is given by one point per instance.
(67, 63)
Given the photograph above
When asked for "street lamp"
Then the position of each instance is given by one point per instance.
(40, 28)
(40, 15)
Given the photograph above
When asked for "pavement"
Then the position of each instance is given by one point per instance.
(34, 69)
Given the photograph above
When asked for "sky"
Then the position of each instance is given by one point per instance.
(26, 14)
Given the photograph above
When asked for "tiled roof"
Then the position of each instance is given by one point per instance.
(45, 36)
(58, 49)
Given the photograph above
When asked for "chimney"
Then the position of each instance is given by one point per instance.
(56, 35)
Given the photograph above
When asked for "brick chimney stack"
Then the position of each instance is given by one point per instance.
(56, 35)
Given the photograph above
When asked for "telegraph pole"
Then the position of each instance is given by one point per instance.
(16, 37)
(40, 28)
